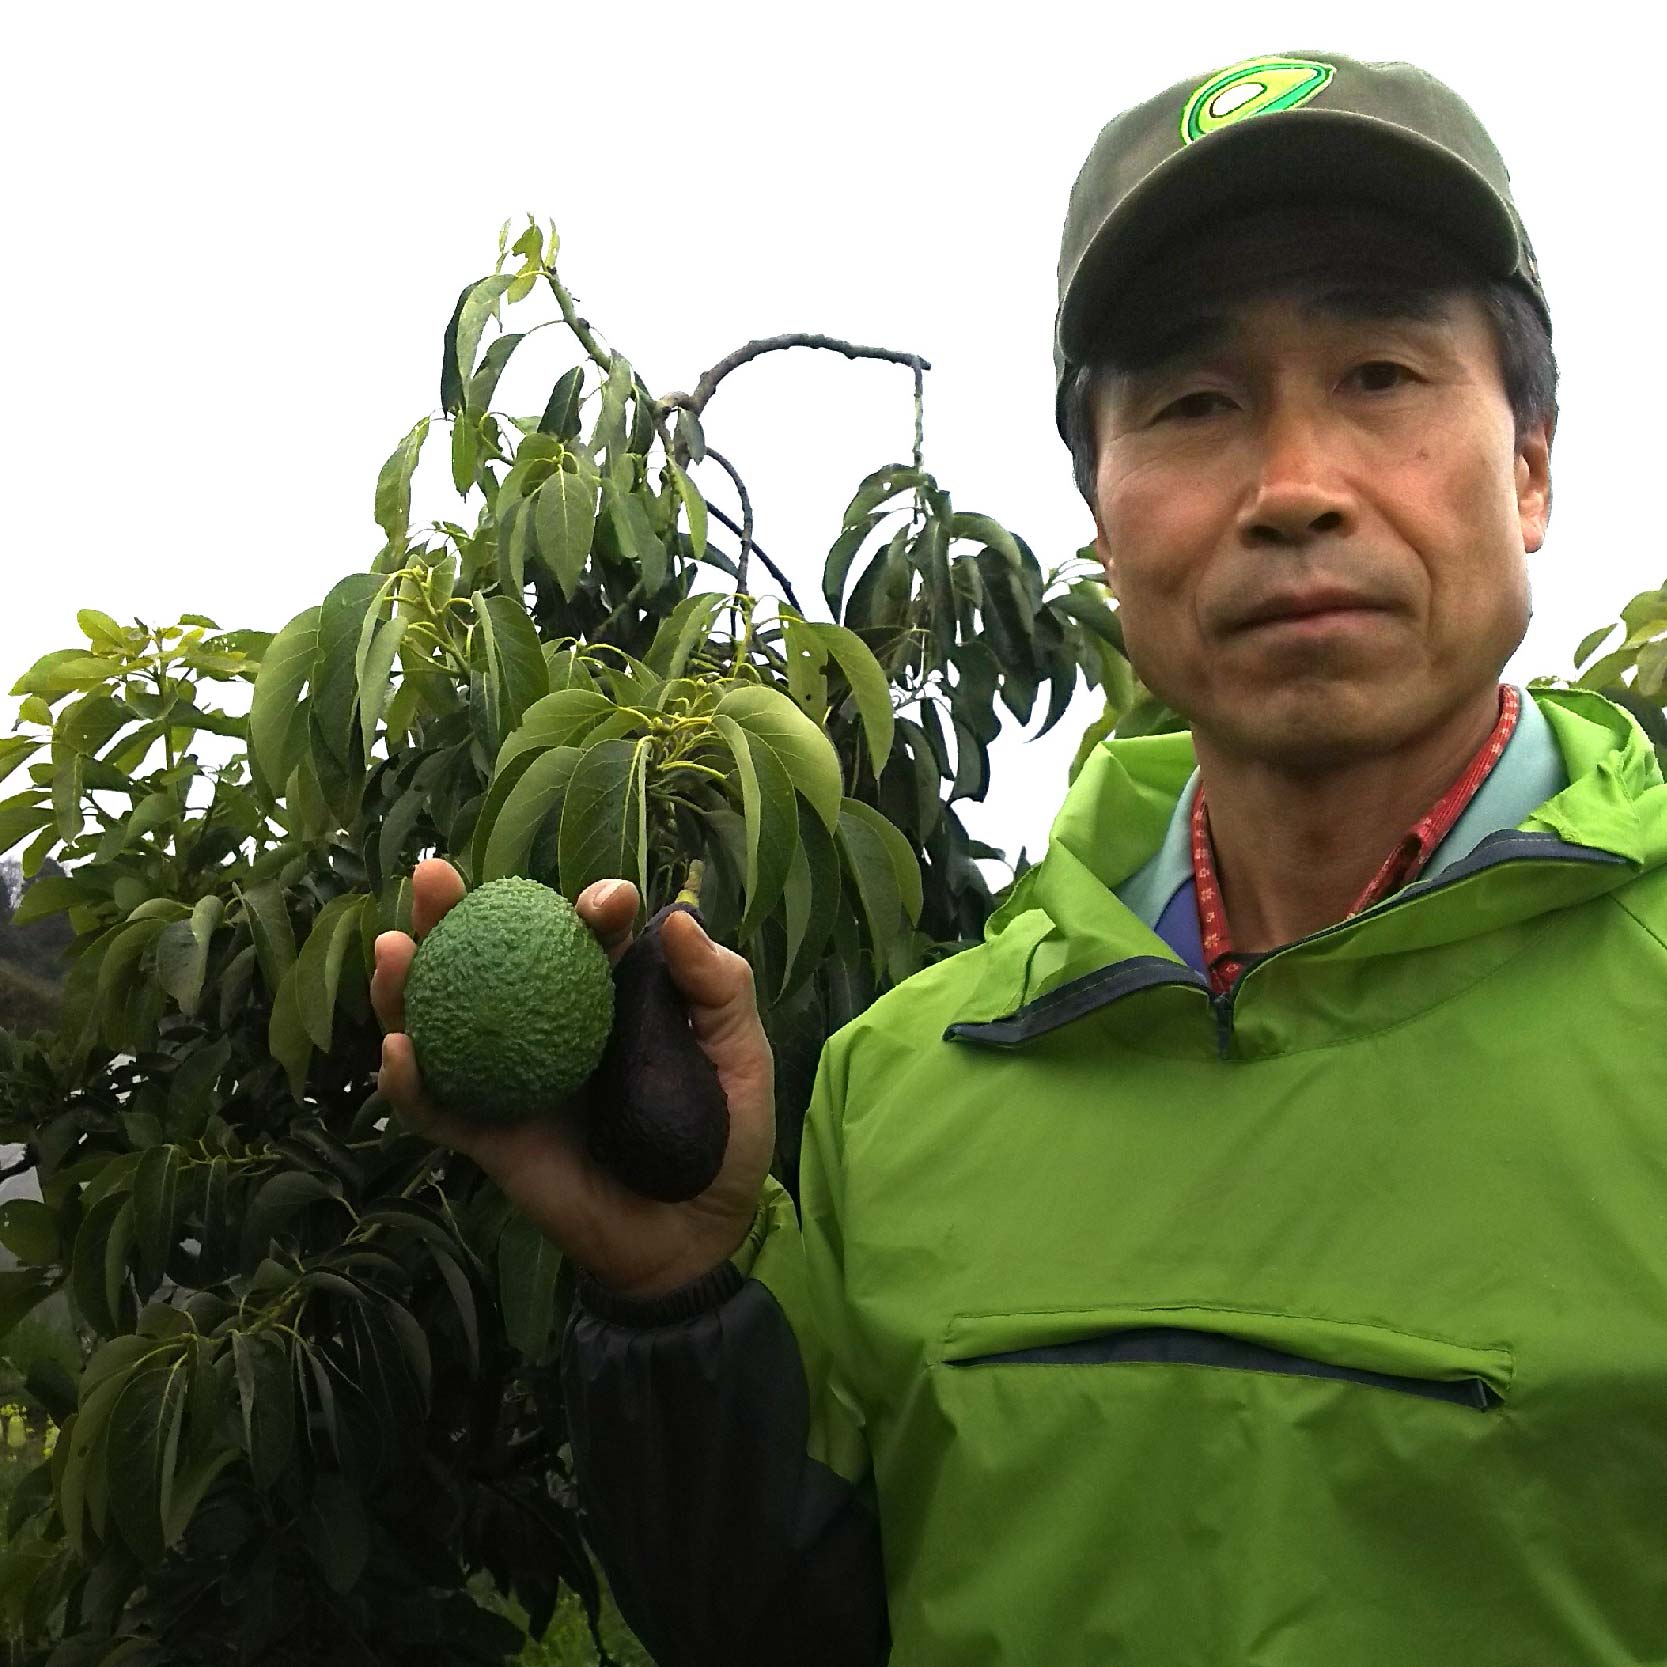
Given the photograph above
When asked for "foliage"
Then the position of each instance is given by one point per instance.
(1634, 672)
(321, 1390)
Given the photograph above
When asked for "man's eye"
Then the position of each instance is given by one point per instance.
(1190, 405)
(1374, 370)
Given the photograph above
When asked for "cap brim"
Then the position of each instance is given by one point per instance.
(1297, 156)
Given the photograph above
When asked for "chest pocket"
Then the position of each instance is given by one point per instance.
(1238, 1340)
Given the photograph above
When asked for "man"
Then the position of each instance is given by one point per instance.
(1254, 1251)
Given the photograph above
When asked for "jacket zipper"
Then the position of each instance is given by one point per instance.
(1010, 1030)
(1459, 872)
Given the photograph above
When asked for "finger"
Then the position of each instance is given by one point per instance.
(609, 909)
(435, 887)
(394, 951)
(401, 1086)
(705, 972)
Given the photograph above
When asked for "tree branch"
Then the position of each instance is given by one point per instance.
(746, 515)
(708, 384)
(780, 577)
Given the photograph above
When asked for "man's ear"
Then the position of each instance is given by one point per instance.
(1533, 483)
(1102, 549)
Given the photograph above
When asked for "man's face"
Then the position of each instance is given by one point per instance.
(1316, 519)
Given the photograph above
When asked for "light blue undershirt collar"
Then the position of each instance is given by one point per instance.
(1529, 771)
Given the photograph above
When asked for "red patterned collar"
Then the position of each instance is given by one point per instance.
(1400, 867)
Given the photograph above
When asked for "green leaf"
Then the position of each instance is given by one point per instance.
(992, 534)
(191, 1483)
(528, 1265)
(869, 688)
(143, 1449)
(1086, 603)
(19, 818)
(840, 557)
(463, 1299)
(807, 660)
(182, 953)
(1588, 647)
(14, 750)
(21, 1290)
(413, 1344)
(465, 452)
(116, 1248)
(68, 790)
(1651, 674)
(803, 748)
(810, 900)
(269, 926)
(100, 629)
(694, 506)
(375, 687)
(869, 862)
(61, 672)
(267, 1401)
(393, 486)
(537, 790)
(634, 531)
(561, 412)
(484, 383)
(345, 626)
(880, 487)
(923, 760)
(29, 1229)
(478, 303)
(609, 436)
(318, 968)
(905, 865)
(287, 1039)
(277, 717)
(770, 814)
(515, 658)
(277, 1201)
(684, 629)
(563, 718)
(50, 894)
(564, 522)
(600, 816)
(155, 1194)
(337, 1531)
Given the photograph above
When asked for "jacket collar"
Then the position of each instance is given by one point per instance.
(1064, 920)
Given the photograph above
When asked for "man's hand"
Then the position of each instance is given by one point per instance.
(630, 1243)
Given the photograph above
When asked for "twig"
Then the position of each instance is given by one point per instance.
(707, 385)
(746, 515)
(780, 577)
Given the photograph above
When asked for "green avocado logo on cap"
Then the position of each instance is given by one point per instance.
(1252, 88)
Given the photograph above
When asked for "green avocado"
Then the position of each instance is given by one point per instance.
(508, 1003)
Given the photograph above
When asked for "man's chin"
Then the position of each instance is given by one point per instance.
(1309, 729)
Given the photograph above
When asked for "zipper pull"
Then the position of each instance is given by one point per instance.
(1223, 1006)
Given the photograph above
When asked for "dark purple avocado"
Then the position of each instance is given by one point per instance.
(659, 1121)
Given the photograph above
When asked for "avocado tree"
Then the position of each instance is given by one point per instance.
(319, 1389)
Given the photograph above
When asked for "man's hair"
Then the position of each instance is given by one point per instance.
(1527, 365)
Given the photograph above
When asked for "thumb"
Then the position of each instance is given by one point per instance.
(705, 973)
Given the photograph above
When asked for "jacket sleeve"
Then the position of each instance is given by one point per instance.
(720, 1455)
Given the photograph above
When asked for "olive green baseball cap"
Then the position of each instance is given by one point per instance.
(1294, 128)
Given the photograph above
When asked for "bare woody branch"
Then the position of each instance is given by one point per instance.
(708, 384)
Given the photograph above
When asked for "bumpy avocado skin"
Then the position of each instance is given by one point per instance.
(508, 1002)
(659, 1117)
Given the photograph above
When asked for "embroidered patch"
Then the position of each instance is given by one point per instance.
(1252, 88)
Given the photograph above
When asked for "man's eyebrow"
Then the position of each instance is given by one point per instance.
(1348, 304)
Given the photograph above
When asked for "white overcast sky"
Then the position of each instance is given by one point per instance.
(233, 236)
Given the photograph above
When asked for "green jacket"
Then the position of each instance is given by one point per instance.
(1320, 1323)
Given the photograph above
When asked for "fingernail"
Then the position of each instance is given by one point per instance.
(606, 892)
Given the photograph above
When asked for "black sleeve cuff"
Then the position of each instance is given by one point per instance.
(699, 1296)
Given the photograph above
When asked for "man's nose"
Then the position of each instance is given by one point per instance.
(1299, 490)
